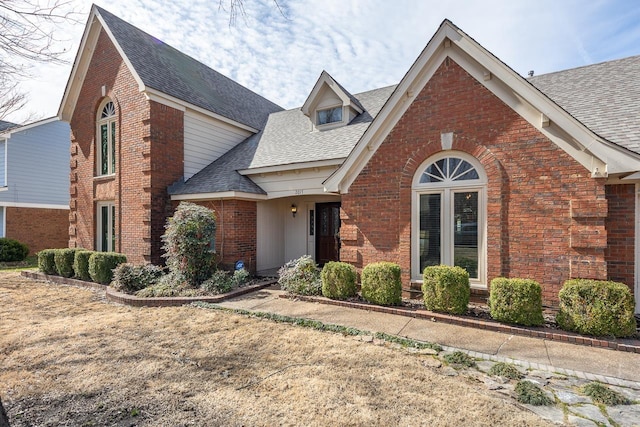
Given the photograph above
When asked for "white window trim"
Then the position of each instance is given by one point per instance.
(447, 190)
(99, 206)
(111, 147)
(331, 125)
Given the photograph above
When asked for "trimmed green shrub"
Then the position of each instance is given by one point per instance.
(46, 261)
(531, 394)
(516, 301)
(131, 278)
(446, 289)
(220, 282)
(64, 259)
(300, 276)
(101, 265)
(189, 242)
(12, 250)
(506, 370)
(339, 280)
(381, 283)
(81, 264)
(603, 395)
(596, 307)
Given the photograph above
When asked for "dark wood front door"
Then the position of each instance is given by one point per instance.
(327, 232)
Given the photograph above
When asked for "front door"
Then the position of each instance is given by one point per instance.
(327, 232)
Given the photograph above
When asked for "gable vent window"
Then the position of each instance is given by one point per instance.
(330, 115)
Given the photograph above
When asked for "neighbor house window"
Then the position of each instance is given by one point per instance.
(449, 219)
(330, 115)
(106, 140)
(106, 227)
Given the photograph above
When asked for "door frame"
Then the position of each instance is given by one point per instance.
(317, 228)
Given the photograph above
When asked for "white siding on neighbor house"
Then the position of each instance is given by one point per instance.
(2, 221)
(3, 163)
(37, 166)
(294, 183)
(206, 139)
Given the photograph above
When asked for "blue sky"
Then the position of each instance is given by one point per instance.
(362, 44)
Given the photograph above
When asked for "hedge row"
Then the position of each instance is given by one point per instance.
(80, 263)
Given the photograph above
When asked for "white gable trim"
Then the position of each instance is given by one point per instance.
(220, 195)
(599, 156)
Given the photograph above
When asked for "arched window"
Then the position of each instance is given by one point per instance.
(449, 215)
(106, 140)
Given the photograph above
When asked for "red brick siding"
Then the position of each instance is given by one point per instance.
(236, 231)
(531, 185)
(139, 185)
(38, 228)
(620, 252)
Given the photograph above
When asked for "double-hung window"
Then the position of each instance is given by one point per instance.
(106, 227)
(106, 140)
(449, 215)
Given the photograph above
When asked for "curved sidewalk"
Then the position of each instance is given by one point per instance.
(591, 363)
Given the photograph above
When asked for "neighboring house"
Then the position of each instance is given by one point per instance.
(464, 162)
(34, 183)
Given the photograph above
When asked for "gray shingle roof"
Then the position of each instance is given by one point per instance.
(170, 71)
(605, 97)
(6, 125)
(287, 138)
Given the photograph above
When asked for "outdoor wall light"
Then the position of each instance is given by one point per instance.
(294, 210)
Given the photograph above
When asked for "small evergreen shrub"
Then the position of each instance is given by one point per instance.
(189, 242)
(63, 259)
(101, 265)
(516, 301)
(220, 282)
(602, 394)
(81, 264)
(12, 250)
(531, 394)
(300, 276)
(596, 307)
(446, 289)
(461, 359)
(381, 283)
(46, 261)
(130, 278)
(338, 280)
(506, 370)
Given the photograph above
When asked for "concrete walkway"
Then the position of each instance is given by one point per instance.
(596, 364)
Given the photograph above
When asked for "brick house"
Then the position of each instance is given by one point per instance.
(34, 183)
(464, 162)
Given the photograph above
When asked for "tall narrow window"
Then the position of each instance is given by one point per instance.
(106, 227)
(449, 215)
(106, 141)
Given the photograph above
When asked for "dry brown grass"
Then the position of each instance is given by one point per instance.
(70, 358)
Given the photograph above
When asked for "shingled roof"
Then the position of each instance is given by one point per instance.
(165, 69)
(286, 139)
(6, 125)
(605, 97)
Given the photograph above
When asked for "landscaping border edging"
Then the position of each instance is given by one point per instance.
(122, 298)
(628, 345)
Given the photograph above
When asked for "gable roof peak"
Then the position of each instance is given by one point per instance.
(326, 79)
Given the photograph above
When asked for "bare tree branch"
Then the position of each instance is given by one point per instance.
(26, 38)
(236, 8)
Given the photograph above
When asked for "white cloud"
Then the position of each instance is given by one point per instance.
(363, 44)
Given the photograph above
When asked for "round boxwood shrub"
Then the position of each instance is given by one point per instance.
(381, 283)
(339, 280)
(46, 261)
(516, 301)
(446, 289)
(81, 264)
(101, 265)
(12, 250)
(300, 276)
(596, 307)
(64, 259)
